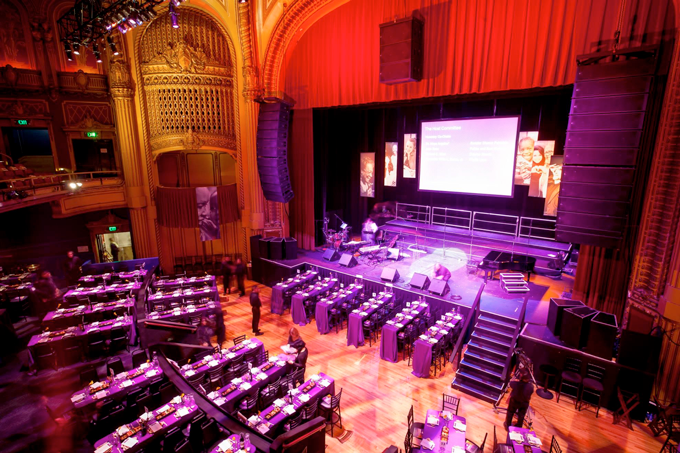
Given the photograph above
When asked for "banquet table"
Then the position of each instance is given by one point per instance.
(297, 304)
(125, 275)
(184, 294)
(23, 288)
(324, 306)
(215, 360)
(122, 384)
(323, 385)
(355, 329)
(229, 397)
(422, 347)
(290, 284)
(518, 447)
(230, 444)
(182, 314)
(74, 314)
(13, 279)
(185, 282)
(118, 288)
(181, 412)
(456, 438)
(389, 349)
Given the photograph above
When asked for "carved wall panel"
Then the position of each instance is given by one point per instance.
(188, 75)
(14, 43)
(76, 112)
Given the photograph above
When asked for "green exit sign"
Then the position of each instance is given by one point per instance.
(22, 122)
(92, 134)
(113, 228)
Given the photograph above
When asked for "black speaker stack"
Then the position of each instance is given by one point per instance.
(272, 152)
(401, 51)
(555, 311)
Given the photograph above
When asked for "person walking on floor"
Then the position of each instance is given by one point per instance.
(227, 271)
(240, 271)
(519, 399)
(256, 303)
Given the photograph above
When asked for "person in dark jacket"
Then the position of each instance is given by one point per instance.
(72, 268)
(240, 272)
(220, 330)
(294, 340)
(519, 399)
(205, 332)
(227, 271)
(255, 303)
(45, 291)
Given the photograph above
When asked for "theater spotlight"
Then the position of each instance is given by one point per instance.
(97, 54)
(112, 45)
(123, 28)
(173, 15)
(76, 48)
(69, 52)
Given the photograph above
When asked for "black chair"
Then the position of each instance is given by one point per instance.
(330, 407)
(450, 403)
(173, 437)
(119, 339)
(88, 375)
(107, 407)
(155, 384)
(408, 441)
(131, 398)
(183, 446)
(72, 350)
(116, 365)
(592, 387)
(471, 447)
(262, 358)
(45, 356)
(267, 399)
(337, 319)
(195, 432)
(554, 446)
(501, 448)
(168, 392)
(211, 433)
(95, 344)
(239, 339)
(294, 422)
(310, 410)
(248, 405)
(415, 428)
(144, 401)
(571, 379)
(370, 331)
(139, 358)
(19, 305)
(215, 375)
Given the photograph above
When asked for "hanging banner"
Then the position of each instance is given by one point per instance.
(208, 213)
(391, 153)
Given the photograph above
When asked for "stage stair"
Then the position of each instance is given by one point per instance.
(480, 371)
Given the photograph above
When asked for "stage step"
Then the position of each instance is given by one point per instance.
(478, 369)
(492, 343)
(509, 320)
(491, 332)
(497, 324)
(491, 354)
(481, 359)
(469, 387)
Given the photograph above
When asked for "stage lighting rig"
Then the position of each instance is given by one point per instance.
(89, 22)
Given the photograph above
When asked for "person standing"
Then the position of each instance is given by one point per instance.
(45, 291)
(220, 330)
(227, 271)
(519, 399)
(72, 268)
(115, 250)
(240, 271)
(256, 303)
(205, 332)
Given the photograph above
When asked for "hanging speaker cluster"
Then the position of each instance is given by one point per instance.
(272, 152)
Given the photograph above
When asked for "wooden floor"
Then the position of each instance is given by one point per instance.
(377, 394)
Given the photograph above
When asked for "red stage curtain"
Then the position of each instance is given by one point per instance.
(602, 279)
(177, 206)
(228, 200)
(471, 46)
(301, 165)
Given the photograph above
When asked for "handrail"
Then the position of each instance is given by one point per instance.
(520, 322)
(473, 314)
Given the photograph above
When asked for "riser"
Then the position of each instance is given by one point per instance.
(482, 350)
(496, 325)
(503, 337)
(480, 356)
(495, 367)
(506, 319)
(491, 343)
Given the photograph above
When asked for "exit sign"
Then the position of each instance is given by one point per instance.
(22, 122)
(92, 134)
(113, 228)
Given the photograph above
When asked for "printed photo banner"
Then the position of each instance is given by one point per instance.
(208, 213)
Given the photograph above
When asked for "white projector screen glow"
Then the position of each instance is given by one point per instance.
(470, 156)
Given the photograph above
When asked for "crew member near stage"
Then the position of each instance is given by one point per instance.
(368, 230)
(519, 399)
(72, 268)
(441, 273)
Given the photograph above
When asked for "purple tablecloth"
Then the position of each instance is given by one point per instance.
(223, 445)
(144, 438)
(297, 305)
(288, 285)
(389, 348)
(185, 282)
(52, 317)
(271, 426)
(182, 314)
(121, 386)
(183, 295)
(323, 307)
(191, 369)
(107, 276)
(230, 401)
(13, 279)
(434, 433)
(422, 350)
(116, 287)
(355, 329)
(517, 447)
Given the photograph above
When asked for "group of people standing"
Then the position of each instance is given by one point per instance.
(234, 269)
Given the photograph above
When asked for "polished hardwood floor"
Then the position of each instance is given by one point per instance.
(377, 394)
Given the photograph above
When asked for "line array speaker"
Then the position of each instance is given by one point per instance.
(272, 152)
(401, 51)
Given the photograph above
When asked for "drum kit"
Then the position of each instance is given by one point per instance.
(334, 238)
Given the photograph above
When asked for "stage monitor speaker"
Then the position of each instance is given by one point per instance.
(289, 248)
(401, 51)
(276, 249)
(264, 248)
(393, 254)
(438, 287)
(640, 351)
(389, 274)
(331, 255)
(603, 330)
(555, 311)
(576, 326)
(347, 260)
(255, 256)
(420, 281)
(272, 149)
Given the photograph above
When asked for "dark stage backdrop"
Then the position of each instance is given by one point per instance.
(341, 134)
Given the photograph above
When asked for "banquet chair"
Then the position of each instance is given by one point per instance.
(239, 339)
(571, 379)
(272, 389)
(102, 297)
(554, 446)
(330, 408)
(248, 404)
(471, 447)
(239, 370)
(167, 391)
(450, 403)
(415, 428)
(139, 358)
(183, 446)
(226, 378)
(19, 306)
(267, 399)
(299, 377)
(72, 351)
(408, 442)
(370, 330)
(195, 432)
(107, 407)
(294, 422)
(196, 379)
(592, 387)
(88, 375)
(195, 320)
(173, 437)
(144, 402)
(116, 365)
(500, 448)
(211, 433)
(131, 400)
(45, 356)
(119, 340)
(251, 356)
(215, 375)
(437, 355)
(287, 382)
(310, 410)
(262, 358)
(673, 440)
(337, 319)
(111, 296)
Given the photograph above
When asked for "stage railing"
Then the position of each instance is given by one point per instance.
(414, 212)
(495, 223)
(448, 217)
(530, 227)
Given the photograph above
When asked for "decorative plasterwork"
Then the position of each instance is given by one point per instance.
(252, 89)
(24, 108)
(83, 113)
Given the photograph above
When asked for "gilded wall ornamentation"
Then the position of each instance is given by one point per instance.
(77, 112)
